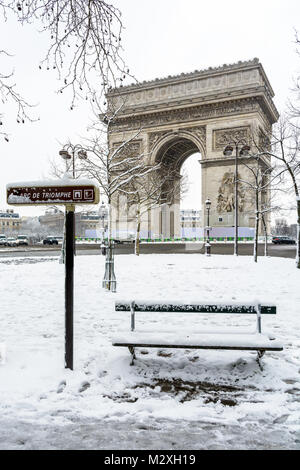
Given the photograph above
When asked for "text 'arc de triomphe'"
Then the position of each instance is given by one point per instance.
(195, 112)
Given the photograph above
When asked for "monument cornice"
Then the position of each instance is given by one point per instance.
(183, 77)
(216, 96)
(187, 113)
(229, 161)
(226, 82)
(217, 161)
(267, 104)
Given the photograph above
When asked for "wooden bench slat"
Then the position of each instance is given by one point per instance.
(197, 346)
(139, 306)
(198, 341)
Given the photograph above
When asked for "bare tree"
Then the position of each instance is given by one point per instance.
(294, 102)
(281, 227)
(9, 94)
(34, 229)
(260, 182)
(160, 185)
(84, 47)
(120, 171)
(286, 152)
(113, 168)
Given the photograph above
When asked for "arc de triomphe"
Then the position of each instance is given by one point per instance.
(196, 112)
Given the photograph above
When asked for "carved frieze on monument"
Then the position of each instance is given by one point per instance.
(199, 132)
(132, 147)
(264, 141)
(194, 113)
(226, 199)
(221, 137)
(154, 137)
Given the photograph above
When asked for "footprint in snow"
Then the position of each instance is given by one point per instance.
(84, 386)
(61, 386)
(281, 419)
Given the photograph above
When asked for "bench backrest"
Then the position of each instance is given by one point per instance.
(141, 306)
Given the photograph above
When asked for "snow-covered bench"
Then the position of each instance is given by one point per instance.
(255, 341)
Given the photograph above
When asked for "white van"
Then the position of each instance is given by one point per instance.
(22, 240)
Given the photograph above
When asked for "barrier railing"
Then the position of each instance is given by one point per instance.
(177, 239)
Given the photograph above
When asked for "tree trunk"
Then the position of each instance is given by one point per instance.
(256, 228)
(298, 212)
(108, 221)
(266, 236)
(109, 249)
(137, 233)
(298, 234)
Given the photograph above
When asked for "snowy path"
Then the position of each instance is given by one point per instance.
(88, 434)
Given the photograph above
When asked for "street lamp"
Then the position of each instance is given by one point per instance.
(207, 245)
(242, 152)
(70, 152)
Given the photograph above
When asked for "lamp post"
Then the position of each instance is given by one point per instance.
(207, 245)
(243, 151)
(70, 152)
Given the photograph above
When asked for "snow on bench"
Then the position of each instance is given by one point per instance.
(192, 340)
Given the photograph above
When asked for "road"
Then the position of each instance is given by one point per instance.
(246, 249)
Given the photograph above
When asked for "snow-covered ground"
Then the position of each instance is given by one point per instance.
(170, 399)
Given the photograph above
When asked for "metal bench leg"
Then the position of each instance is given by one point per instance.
(131, 350)
(258, 359)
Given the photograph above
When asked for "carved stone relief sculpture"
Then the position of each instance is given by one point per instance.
(226, 199)
(199, 132)
(131, 148)
(222, 137)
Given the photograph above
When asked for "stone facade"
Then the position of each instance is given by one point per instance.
(10, 222)
(191, 223)
(85, 222)
(169, 119)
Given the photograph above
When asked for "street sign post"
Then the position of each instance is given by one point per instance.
(69, 285)
(22, 195)
(68, 192)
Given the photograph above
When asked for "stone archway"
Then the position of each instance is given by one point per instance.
(173, 117)
(173, 149)
(178, 145)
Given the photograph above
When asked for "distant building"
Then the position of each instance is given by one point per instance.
(190, 222)
(53, 219)
(87, 223)
(10, 222)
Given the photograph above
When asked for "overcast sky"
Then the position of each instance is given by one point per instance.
(162, 37)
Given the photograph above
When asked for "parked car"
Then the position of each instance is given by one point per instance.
(3, 239)
(50, 241)
(11, 241)
(283, 240)
(121, 241)
(22, 240)
(117, 241)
